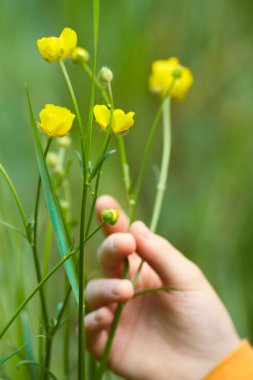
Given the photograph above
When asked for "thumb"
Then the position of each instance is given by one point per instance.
(170, 265)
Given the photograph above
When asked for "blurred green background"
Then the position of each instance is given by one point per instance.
(208, 212)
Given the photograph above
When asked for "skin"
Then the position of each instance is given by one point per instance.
(164, 336)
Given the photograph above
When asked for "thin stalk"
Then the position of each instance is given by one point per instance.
(75, 105)
(113, 329)
(54, 330)
(43, 281)
(97, 83)
(95, 195)
(81, 304)
(99, 161)
(33, 244)
(103, 362)
(139, 293)
(35, 290)
(96, 11)
(150, 142)
(82, 261)
(66, 345)
(161, 186)
(126, 178)
(15, 195)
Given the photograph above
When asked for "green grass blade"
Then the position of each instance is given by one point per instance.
(8, 357)
(28, 348)
(13, 228)
(52, 204)
(34, 363)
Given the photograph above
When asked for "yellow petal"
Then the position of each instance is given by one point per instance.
(68, 38)
(182, 85)
(102, 115)
(121, 122)
(55, 120)
(49, 48)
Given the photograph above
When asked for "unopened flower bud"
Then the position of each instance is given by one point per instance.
(80, 56)
(52, 159)
(64, 142)
(110, 216)
(64, 205)
(177, 72)
(105, 75)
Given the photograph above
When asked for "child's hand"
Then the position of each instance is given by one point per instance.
(169, 335)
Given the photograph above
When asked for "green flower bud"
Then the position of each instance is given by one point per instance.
(64, 142)
(52, 159)
(177, 72)
(105, 75)
(65, 206)
(80, 56)
(110, 216)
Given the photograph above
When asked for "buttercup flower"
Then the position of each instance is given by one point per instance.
(55, 121)
(121, 121)
(80, 55)
(165, 72)
(110, 216)
(54, 48)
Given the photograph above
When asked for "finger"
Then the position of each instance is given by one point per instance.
(97, 324)
(103, 292)
(96, 343)
(171, 266)
(98, 320)
(114, 250)
(122, 225)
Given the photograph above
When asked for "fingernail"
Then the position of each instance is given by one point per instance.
(99, 316)
(115, 289)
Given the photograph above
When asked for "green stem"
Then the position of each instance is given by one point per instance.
(43, 281)
(150, 142)
(35, 290)
(161, 186)
(126, 177)
(106, 353)
(93, 203)
(97, 83)
(54, 330)
(96, 10)
(81, 303)
(99, 160)
(113, 329)
(75, 105)
(15, 195)
(34, 246)
(66, 344)
(139, 293)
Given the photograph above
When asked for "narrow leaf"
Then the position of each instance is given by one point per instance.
(28, 347)
(8, 357)
(33, 362)
(13, 228)
(52, 204)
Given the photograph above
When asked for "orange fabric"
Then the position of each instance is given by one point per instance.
(236, 366)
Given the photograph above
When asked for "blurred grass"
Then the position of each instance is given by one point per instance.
(208, 212)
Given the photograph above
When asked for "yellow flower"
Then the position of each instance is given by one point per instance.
(56, 121)
(165, 72)
(54, 48)
(121, 122)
